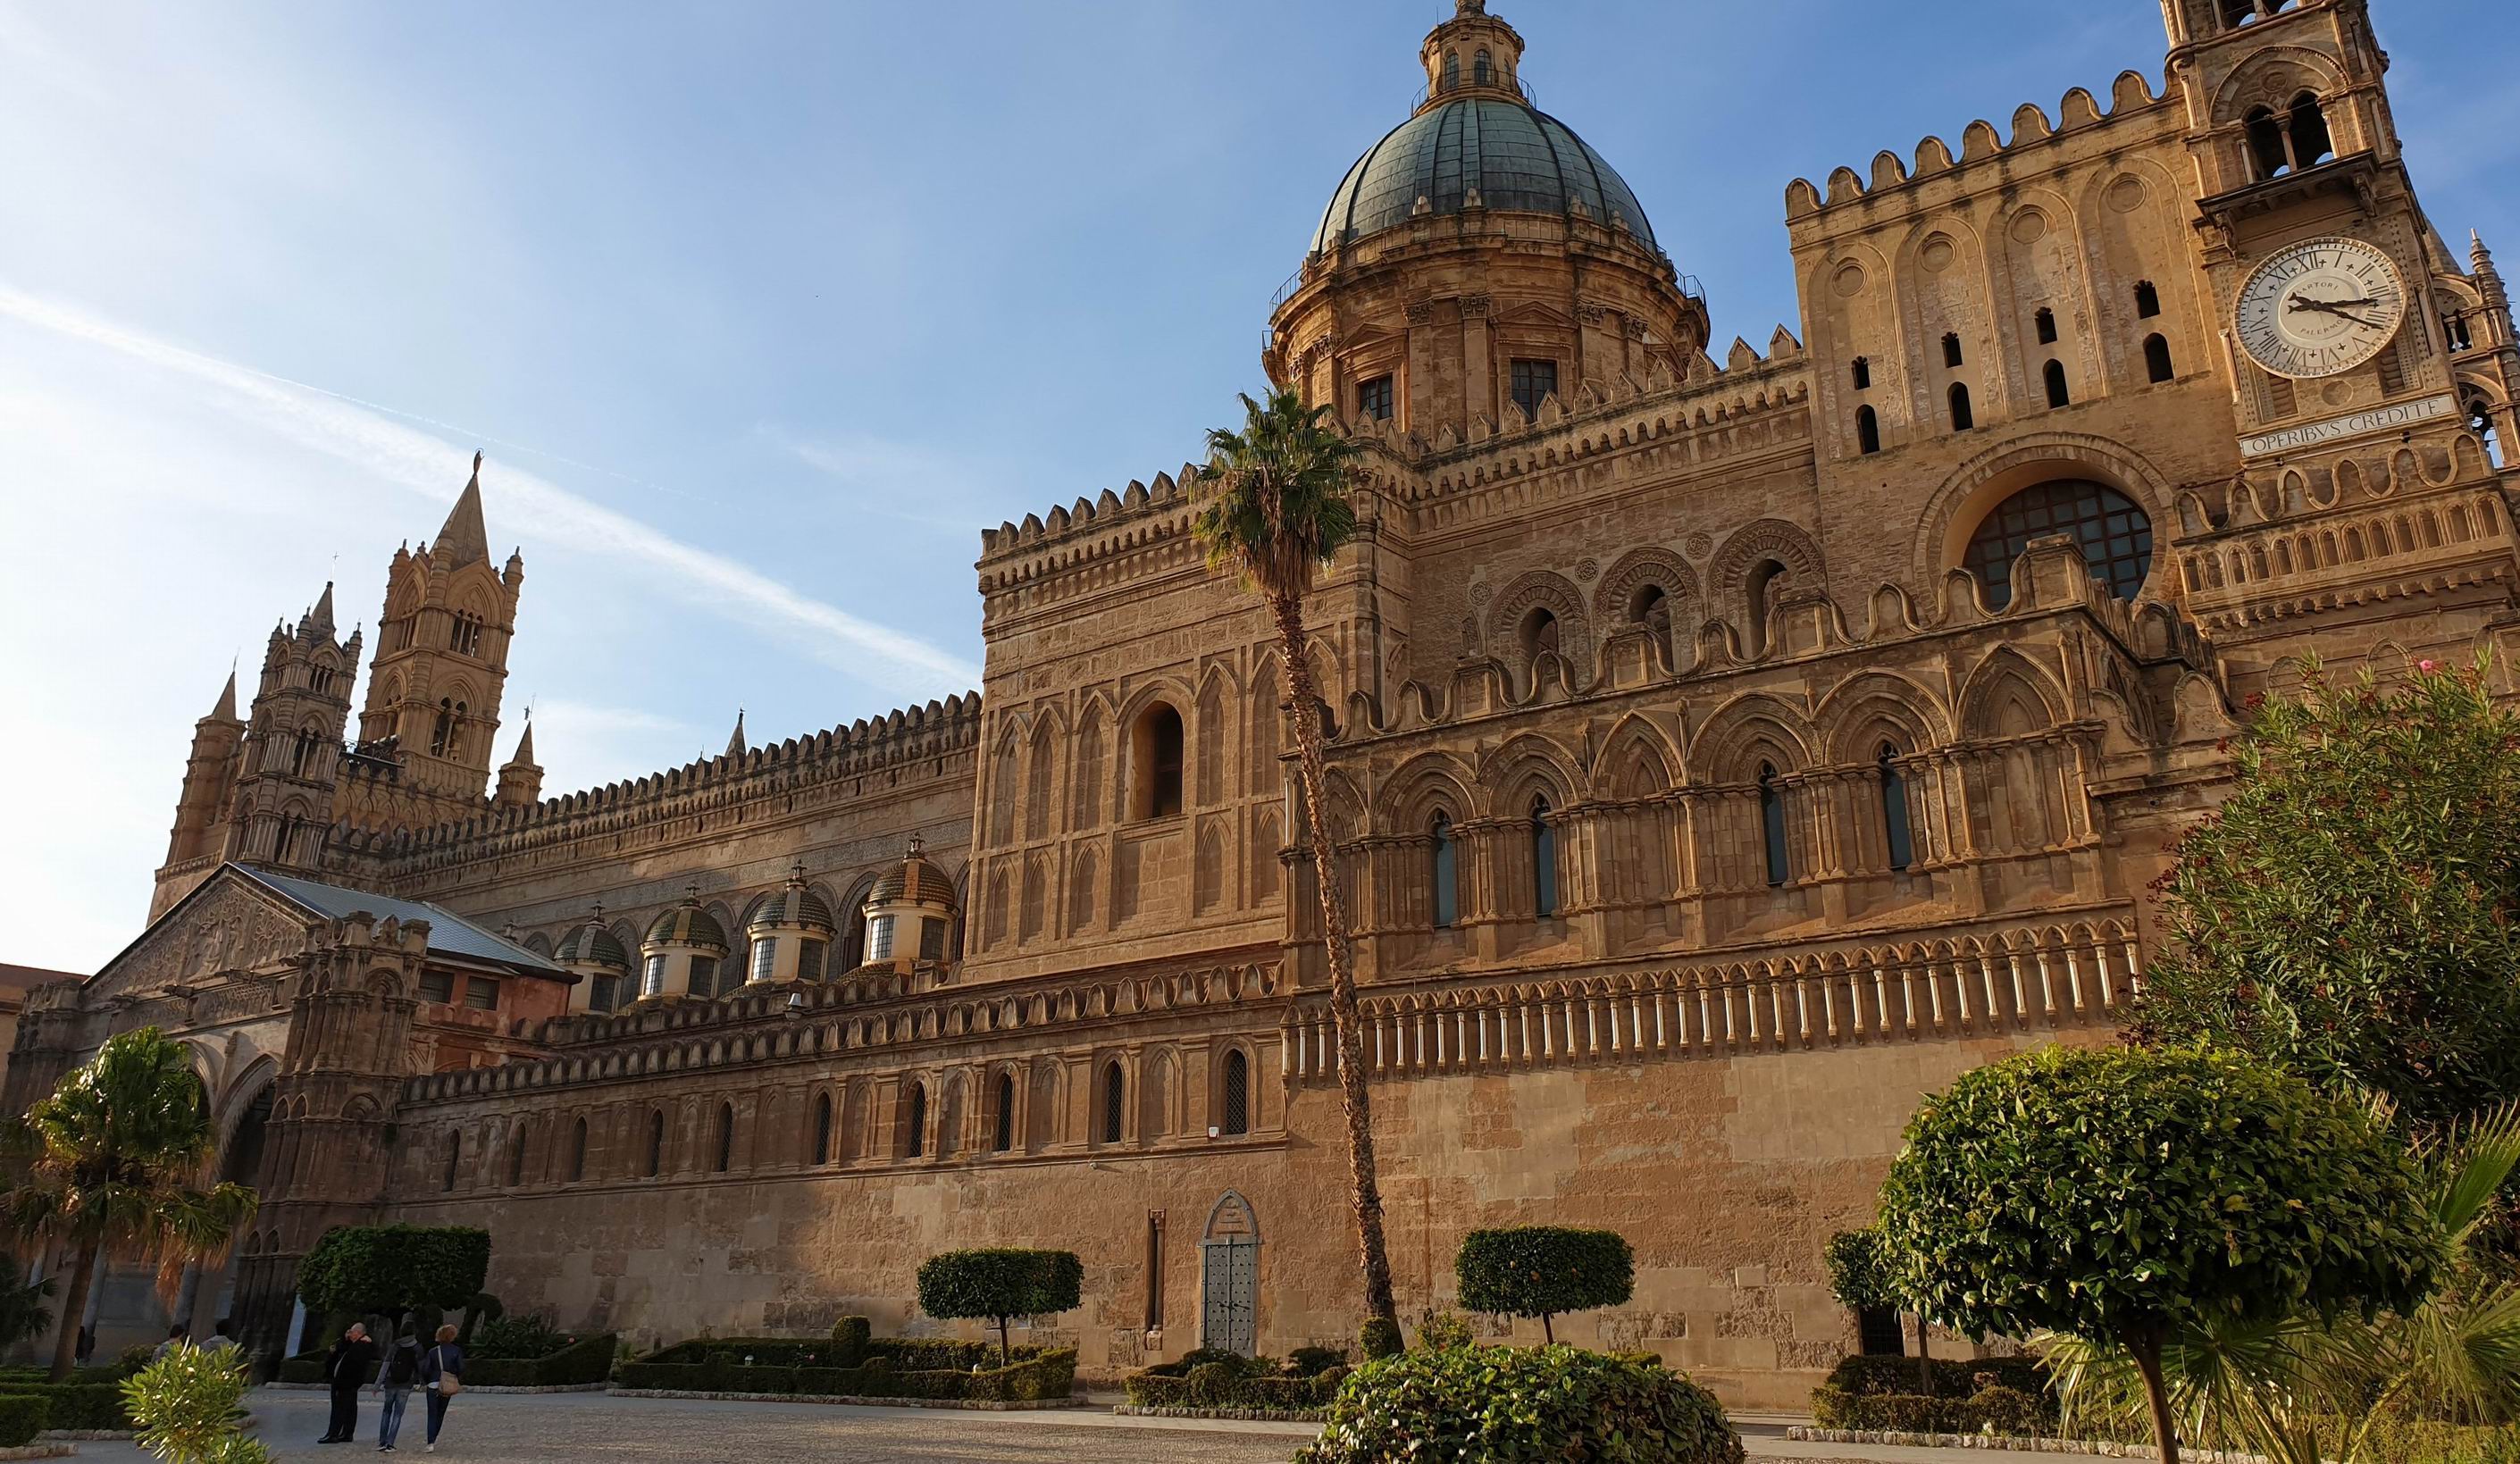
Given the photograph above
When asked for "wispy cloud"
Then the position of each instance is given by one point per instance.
(425, 464)
(886, 474)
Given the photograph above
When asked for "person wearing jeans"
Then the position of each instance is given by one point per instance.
(394, 1382)
(442, 1370)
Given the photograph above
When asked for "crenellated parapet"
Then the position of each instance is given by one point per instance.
(660, 805)
(1980, 143)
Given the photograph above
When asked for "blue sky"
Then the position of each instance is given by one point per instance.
(762, 311)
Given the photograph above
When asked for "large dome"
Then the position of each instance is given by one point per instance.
(1514, 155)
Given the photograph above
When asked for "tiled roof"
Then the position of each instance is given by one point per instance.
(448, 932)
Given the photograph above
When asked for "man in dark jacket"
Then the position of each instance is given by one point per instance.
(349, 1367)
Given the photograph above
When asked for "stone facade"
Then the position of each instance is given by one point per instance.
(1724, 754)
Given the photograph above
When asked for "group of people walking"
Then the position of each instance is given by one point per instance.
(355, 1361)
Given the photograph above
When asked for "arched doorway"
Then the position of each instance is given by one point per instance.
(1230, 1278)
(213, 1292)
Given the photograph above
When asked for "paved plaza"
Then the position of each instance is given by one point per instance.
(577, 1428)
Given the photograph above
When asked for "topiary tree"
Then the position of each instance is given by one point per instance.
(2130, 1196)
(1860, 1278)
(1000, 1285)
(1557, 1403)
(1541, 1271)
(2346, 913)
(386, 1270)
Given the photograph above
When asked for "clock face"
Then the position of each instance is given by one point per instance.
(2320, 308)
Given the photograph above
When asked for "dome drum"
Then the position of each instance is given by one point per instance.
(789, 936)
(910, 918)
(681, 952)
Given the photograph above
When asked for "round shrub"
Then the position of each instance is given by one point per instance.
(1541, 1271)
(1379, 1337)
(849, 1338)
(1521, 1405)
(1309, 1361)
(1212, 1383)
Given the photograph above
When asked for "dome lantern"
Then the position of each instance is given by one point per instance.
(681, 951)
(790, 934)
(910, 918)
(597, 959)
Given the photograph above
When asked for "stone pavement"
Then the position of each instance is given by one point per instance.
(579, 1428)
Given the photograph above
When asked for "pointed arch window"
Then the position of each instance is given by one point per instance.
(577, 1151)
(656, 1142)
(454, 1157)
(822, 1128)
(1868, 430)
(1116, 1102)
(442, 736)
(1237, 1097)
(2059, 395)
(1159, 745)
(725, 1137)
(516, 1158)
(1771, 827)
(1543, 861)
(2115, 535)
(1004, 1138)
(1446, 872)
(1894, 809)
(914, 1142)
(2479, 413)
(1862, 370)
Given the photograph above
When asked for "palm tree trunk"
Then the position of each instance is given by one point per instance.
(75, 1311)
(2146, 1348)
(1366, 1195)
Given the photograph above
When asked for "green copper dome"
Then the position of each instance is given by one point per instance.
(1518, 157)
(591, 944)
(686, 924)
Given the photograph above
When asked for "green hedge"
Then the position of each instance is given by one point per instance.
(900, 1353)
(588, 1360)
(1955, 1378)
(2414, 1440)
(1521, 1405)
(1037, 1375)
(1995, 1409)
(22, 1417)
(76, 1405)
(305, 1367)
(1213, 1377)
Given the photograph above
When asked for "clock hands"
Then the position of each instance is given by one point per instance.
(2336, 308)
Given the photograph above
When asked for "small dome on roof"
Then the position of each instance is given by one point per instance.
(793, 905)
(916, 880)
(591, 944)
(686, 924)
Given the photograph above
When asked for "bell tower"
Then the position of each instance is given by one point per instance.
(442, 656)
(2347, 324)
(292, 757)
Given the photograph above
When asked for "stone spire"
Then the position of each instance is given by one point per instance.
(465, 538)
(2489, 279)
(736, 746)
(521, 782)
(320, 618)
(226, 710)
(525, 757)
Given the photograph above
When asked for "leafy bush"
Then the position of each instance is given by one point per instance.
(849, 1338)
(1311, 1361)
(1994, 1410)
(1212, 1383)
(998, 1285)
(2199, 1186)
(2345, 913)
(186, 1407)
(1521, 1405)
(1443, 1329)
(1541, 1271)
(1379, 1337)
(22, 1417)
(516, 1336)
(2410, 1440)
(1881, 1376)
(578, 1361)
(77, 1405)
(372, 1270)
(786, 1365)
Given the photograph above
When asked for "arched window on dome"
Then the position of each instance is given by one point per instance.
(1894, 809)
(1451, 70)
(2115, 535)
(1483, 71)
(1446, 871)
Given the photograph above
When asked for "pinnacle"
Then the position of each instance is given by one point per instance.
(465, 537)
(525, 757)
(735, 745)
(320, 618)
(226, 710)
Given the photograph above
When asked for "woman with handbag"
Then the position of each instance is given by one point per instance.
(442, 1371)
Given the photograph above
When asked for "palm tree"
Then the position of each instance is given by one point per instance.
(24, 1311)
(111, 1162)
(1274, 506)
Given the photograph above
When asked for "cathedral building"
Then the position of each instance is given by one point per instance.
(1729, 744)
